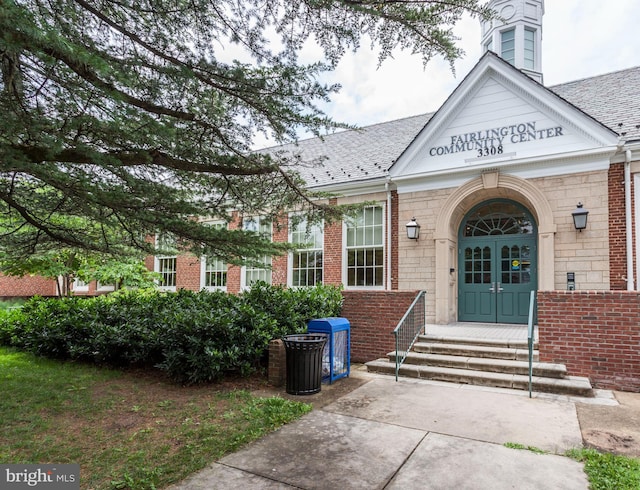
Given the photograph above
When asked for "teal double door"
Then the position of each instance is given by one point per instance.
(497, 272)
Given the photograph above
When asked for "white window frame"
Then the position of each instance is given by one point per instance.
(315, 248)
(532, 50)
(79, 286)
(502, 33)
(221, 269)
(158, 260)
(255, 223)
(381, 245)
(105, 287)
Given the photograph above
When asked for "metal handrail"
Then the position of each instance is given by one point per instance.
(406, 332)
(532, 302)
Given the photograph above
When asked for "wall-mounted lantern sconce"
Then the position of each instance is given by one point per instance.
(580, 217)
(413, 229)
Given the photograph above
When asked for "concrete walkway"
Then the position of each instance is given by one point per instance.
(412, 434)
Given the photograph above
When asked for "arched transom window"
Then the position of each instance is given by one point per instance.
(498, 218)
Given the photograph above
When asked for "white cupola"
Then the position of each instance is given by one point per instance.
(516, 34)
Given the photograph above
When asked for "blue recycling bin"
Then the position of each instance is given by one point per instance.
(336, 357)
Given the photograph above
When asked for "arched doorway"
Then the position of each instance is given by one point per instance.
(497, 263)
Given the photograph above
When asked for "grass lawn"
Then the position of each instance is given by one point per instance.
(129, 429)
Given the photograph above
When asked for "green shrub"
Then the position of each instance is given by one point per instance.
(193, 337)
(8, 318)
(293, 308)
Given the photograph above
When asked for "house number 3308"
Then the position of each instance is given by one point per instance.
(493, 150)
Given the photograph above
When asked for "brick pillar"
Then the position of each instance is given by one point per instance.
(393, 253)
(279, 263)
(188, 272)
(277, 363)
(234, 271)
(332, 257)
(617, 228)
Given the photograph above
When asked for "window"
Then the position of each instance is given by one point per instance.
(215, 273)
(306, 261)
(214, 270)
(365, 248)
(165, 262)
(507, 48)
(105, 287)
(254, 273)
(80, 286)
(529, 49)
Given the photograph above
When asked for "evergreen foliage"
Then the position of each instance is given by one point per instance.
(125, 118)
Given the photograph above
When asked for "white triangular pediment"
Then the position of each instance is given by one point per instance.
(500, 118)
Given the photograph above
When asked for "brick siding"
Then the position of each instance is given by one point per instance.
(332, 254)
(594, 333)
(188, 272)
(25, 287)
(372, 317)
(395, 227)
(617, 236)
(279, 263)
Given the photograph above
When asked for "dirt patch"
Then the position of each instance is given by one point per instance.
(613, 429)
(327, 395)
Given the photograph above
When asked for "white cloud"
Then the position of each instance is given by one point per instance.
(580, 38)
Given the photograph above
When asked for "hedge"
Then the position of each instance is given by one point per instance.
(194, 337)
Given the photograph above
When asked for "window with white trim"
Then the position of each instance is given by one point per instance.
(365, 248)
(529, 49)
(307, 260)
(165, 262)
(255, 273)
(79, 286)
(508, 45)
(214, 270)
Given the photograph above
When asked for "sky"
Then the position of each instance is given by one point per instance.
(580, 38)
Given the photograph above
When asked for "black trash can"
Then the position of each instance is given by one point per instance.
(304, 362)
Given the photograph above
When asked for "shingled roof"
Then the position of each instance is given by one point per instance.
(365, 154)
(612, 99)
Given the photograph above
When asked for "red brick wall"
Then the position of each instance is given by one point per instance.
(332, 256)
(594, 333)
(23, 287)
(279, 262)
(372, 317)
(617, 237)
(395, 227)
(233, 272)
(188, 272)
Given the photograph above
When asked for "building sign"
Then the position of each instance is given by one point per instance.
(487, 142)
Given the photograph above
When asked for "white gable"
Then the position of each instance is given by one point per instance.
(499, 118)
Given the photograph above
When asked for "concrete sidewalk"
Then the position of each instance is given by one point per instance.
(412, 434)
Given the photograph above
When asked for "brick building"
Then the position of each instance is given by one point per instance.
(493, 179)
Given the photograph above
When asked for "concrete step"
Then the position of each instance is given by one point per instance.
(571, 385)
(449, 339)
(474, 350)
(508, 366)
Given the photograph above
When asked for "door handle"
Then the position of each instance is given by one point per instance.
(492, 289)
(499, 288)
